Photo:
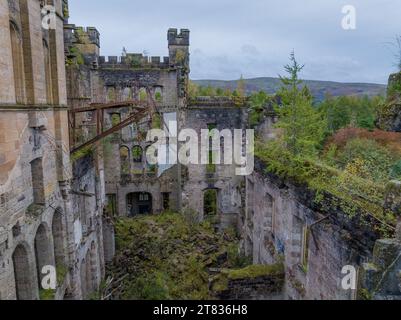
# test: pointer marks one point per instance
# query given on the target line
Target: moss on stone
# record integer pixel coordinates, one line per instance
(61, 272)
(47, 294)
(220, 282)
(256, 271)
(364, 294)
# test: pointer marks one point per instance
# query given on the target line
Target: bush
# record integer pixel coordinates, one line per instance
(372, 158)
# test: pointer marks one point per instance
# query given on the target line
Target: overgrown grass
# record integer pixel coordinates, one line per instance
(167, 257)
(352, 194)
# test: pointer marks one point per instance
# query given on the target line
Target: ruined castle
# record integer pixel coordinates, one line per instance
(73, 147)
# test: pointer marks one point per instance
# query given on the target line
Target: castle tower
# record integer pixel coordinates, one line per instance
(178, 46)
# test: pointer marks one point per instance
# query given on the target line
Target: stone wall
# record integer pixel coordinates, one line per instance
(256, 282)
(220, 114)
(37, 202)
(282, 221)
(95, 80)
(34, 158)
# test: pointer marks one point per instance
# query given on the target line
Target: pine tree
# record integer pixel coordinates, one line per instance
(301, 124)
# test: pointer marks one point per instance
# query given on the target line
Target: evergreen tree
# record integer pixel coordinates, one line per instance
(301, 124)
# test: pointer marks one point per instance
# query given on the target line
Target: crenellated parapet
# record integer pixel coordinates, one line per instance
(133, 60)
(81, 35)
(178, 39)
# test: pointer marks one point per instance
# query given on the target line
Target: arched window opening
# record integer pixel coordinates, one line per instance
(159, 94)
(124, 160)
(37, 182)
(23, 275)
(143, 94)
(43, 251)
(137, 154)
(48, 75)
(18, 63)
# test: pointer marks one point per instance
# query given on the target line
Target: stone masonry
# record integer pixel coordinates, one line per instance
(57, 208)
(41, 196)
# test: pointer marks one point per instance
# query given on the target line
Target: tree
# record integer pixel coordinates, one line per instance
(301, 124)
(193, 89)
(348, 111)
(258, 102)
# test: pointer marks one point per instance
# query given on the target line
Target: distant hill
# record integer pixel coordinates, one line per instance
(319, 88)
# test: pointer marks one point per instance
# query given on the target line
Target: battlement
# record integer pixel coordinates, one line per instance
(84, 35)
(134, 60)
(178, 39)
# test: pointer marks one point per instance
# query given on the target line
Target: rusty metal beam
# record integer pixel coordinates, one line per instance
(131, 119)
(139, 107)
(113, 105)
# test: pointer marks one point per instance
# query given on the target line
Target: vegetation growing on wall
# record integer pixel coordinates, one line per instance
(352, 165)
(74, 57)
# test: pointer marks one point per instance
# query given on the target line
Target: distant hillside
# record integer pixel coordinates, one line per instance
(319, 88)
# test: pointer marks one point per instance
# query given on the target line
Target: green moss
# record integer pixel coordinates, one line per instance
(61, 271)
(75, 57)
(220, 282)
(35, 210)
(156, 121)
(364, 294)
(256, 271)
(333, 188)
(82, 153)
(47, 294)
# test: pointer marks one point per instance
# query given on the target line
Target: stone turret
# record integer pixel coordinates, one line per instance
(86, 41)
(178, 46)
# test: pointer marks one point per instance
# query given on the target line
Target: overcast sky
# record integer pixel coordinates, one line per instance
(254, 37)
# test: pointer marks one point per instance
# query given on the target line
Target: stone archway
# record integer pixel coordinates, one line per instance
(24, 275)
(44, 252)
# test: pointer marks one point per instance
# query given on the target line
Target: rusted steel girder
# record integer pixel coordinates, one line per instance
(139, 107)
(131, 119)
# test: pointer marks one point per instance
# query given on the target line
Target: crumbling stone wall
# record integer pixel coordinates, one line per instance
(34, 159)
(380, 278)
(255, 282)
(282, 223)
(96, 79)
(221, 114)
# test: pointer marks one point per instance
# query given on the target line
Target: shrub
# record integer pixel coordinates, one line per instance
(370, 160)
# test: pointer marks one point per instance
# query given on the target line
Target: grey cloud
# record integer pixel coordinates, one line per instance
(254, 37)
